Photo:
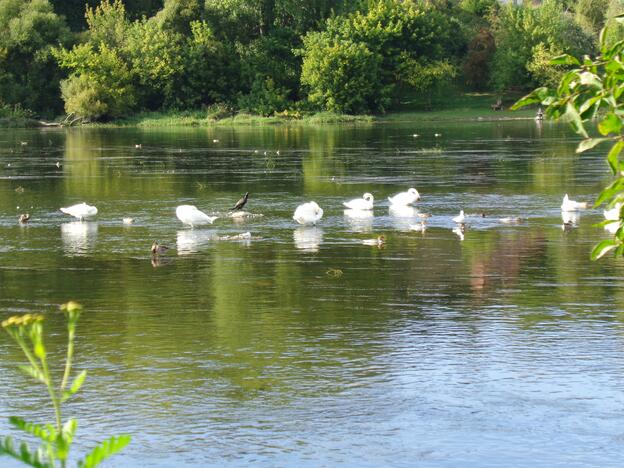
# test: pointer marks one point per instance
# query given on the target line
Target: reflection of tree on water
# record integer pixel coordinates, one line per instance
(79, 237)
(500, 267)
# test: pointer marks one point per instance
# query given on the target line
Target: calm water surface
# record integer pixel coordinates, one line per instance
(303, 346)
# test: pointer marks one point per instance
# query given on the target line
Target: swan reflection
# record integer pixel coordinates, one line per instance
(308, 238)
(403, 216)
(571, 217)
(78, 237)
(190, 241)
(359, 220)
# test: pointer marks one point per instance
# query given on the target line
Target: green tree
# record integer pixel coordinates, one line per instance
(29, 75)
(518, 33)
(343, 76)
(400, 42)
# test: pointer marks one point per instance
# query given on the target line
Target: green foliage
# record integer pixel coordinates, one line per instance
(155, 57)
(342, 76)
(211, 69)
(29, 75)
(593, 89)
(521, 31)
(614, 30)
(177, 15)
(480, 8)
(56, 439)
(355, 63)
(590, 14)
(100, 85)
(476, 67)
(264, 99)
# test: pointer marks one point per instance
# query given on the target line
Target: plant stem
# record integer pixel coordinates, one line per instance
(70, 353)
(53, 397)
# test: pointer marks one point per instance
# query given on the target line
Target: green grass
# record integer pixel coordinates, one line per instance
(460, 106)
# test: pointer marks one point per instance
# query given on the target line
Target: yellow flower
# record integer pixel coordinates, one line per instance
(71, 306)
(23, 320)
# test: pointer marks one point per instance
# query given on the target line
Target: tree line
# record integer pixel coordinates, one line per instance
(111, 58)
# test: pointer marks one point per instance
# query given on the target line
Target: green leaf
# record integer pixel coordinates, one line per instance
(610, 124)
(32, 372)
(619, 18)
(565, 59)
(603, 247)
(535, 96)
(35, 429)
(104, 450)
(23, 454)
(610, 191)
(589, 143)
(75, 386)
(572, 116)
(613, 158)
(590, 79)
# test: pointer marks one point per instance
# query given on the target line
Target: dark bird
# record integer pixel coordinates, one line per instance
(24, 218)
(240, 203)
(158, 249)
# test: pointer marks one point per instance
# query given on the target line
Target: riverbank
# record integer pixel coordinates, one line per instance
(468, 107)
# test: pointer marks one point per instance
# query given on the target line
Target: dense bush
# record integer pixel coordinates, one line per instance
(29, 75)
(356, 63)
(521, 32)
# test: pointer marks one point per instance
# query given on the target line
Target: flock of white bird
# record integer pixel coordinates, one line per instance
(311, 213)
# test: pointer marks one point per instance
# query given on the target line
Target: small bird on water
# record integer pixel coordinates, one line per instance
(24, 218)
(241, 203)
(158, 249)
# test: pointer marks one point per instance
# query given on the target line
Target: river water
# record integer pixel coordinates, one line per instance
(502, 345)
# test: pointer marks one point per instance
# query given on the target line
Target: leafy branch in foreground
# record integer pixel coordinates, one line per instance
(56, 439)
(593, 90)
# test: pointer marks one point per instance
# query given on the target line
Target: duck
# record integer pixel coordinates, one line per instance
(128, 220)
(308, 213)
(459, 231)
(460, 218)
(405, 198)
(189, 214)
(241, 203)
(364, 203)
(81, 211)
(158, 249)
(571, 205)
(422, 227)
(511, 220)
(381, 240)
(24, 218)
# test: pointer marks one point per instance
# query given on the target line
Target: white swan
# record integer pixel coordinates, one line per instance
(80, 211)
(364, 203)
(571, 205)
(460, 218)
(190, 215)
(405, 198)
(308, 213)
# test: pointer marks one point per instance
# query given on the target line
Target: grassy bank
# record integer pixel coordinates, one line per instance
(458, 107)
